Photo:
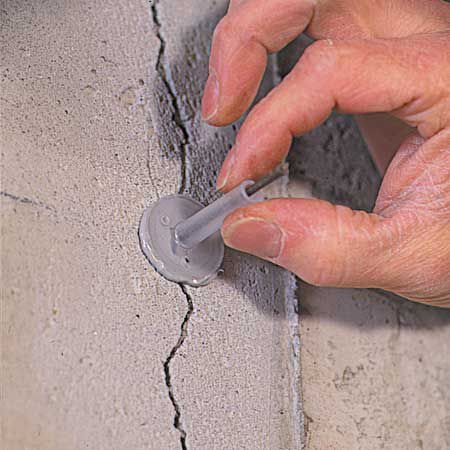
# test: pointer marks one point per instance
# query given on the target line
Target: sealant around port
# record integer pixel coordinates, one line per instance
(196, 266)
(181, 238)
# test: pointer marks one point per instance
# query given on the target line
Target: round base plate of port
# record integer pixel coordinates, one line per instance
(196, 266)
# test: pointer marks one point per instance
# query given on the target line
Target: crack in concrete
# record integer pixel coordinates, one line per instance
(164, 72)
(183, 334)
(26, 200)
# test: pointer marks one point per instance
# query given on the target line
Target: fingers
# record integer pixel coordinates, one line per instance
(241, 42)
(365, 18)
(418, 180)
(252, 28)
(357, 76)
(403, 248)
(322, 243)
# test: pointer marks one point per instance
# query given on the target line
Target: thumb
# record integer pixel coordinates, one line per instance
(322, 243)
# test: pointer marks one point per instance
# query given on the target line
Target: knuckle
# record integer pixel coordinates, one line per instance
(225, 29)
(321, 54)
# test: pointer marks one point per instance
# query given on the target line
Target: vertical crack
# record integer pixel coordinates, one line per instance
(164, 72)
(183, 334)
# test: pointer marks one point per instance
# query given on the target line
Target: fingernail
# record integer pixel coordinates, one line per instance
(210, 102)
(226, 169)
(255, 236)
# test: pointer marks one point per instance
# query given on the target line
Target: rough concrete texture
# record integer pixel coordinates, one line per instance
(99, 117)
(86, 326)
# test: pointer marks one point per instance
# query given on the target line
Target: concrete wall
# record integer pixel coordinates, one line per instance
(100, 117)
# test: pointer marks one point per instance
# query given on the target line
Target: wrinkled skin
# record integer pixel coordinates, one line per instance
(388, 62)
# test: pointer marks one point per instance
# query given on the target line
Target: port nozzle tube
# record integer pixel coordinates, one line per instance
(208, 220)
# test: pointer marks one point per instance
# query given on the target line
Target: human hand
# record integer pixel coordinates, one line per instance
(393, 60)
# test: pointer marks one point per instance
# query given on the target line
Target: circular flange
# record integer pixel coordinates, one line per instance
(196, 266)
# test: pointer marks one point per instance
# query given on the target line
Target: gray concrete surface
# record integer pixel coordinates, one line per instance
(100, 117)
(98, 350)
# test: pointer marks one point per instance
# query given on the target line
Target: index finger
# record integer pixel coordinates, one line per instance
(241, 43)
(406, 77)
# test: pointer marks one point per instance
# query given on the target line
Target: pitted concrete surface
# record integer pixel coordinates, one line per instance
(375, 371)
(100, 116)
(86, 325)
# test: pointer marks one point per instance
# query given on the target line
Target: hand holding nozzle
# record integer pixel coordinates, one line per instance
(394, 74)
(180, 237)
(208, 221)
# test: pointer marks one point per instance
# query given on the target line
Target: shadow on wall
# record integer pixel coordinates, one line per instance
(368, 309)
(200, 148)
(333, 159)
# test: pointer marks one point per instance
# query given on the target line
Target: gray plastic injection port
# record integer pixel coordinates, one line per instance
(181, 238)
(196, 266)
